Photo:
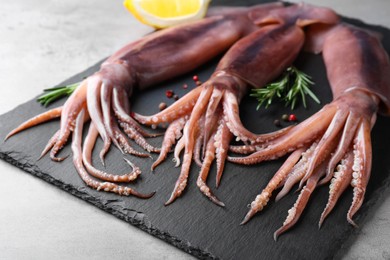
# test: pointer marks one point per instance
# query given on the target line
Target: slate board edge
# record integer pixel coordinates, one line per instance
(140, 221)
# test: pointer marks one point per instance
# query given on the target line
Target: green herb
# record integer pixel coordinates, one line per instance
(292, 84)
(52, 94)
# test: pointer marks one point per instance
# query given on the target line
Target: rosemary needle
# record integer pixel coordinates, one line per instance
(292, 85)
(52, 94)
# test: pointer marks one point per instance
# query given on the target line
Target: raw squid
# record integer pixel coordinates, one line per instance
(334, 145)
(104, 96)
(208, 116)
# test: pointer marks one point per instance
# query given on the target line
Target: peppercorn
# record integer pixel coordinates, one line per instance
(162, 106)
(277, 122)
(195, 78)
(292, 118)
(169, 93)
(175, 97)
(285, 117)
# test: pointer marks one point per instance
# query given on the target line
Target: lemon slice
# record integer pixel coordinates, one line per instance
(166, 13)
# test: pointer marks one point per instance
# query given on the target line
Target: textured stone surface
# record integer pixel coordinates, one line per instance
(201, 218)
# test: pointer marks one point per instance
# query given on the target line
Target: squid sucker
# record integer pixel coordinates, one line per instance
(104, 97)
(334, 145)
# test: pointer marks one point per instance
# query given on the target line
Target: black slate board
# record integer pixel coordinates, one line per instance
(193, 223)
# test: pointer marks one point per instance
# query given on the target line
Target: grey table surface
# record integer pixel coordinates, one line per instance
(43, 42)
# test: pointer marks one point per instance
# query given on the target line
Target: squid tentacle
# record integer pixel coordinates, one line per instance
(58, 145)
(297, 172)
(77, 159)
(36, 120)
(180, 108)
(262, 141)
(327, 143)
(222, 139)
(68, 117)
(232, 118)
(50, 144)
(90, 141)
(138, 138)
(243, 149)
(108, 122)
(262, 199)
(265, 138)
(178, 149)
(122, 110)
(95, 111)
(210, 114)
(204, 172)
(295, 212)
(124, 143)
(292, 140)
(361, 168)
(173, 133)
(345, 142)
(190, 137)
(198, 145)
(340, 182)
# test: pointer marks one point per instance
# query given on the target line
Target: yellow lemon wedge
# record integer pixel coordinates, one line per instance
(166, 13)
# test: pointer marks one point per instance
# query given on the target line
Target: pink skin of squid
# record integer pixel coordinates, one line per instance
(212, 110)
(337, 146)
(104, 96)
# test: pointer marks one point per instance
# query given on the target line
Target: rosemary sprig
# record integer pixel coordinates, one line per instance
(52, 94)
(292, 84)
